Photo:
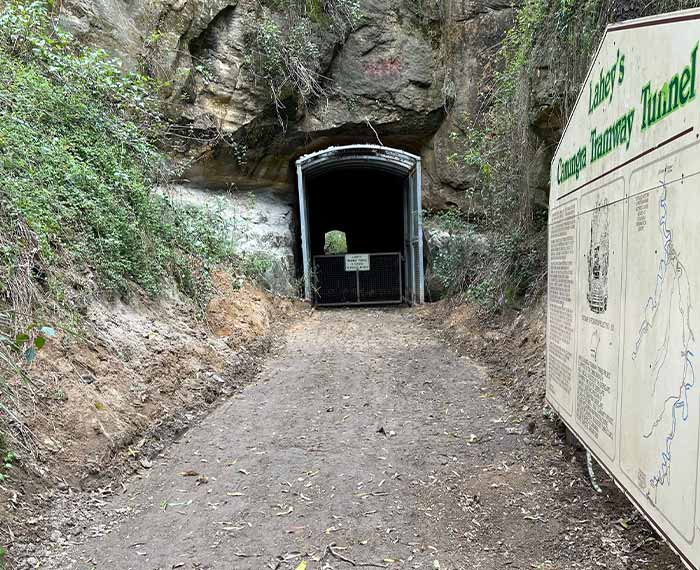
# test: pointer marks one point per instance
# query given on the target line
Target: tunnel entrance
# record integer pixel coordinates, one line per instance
(372, 195)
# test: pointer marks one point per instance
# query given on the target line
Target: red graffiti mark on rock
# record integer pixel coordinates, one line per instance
(383, 68)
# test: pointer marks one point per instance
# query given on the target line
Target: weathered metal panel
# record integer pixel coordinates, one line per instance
(337, 283)
(304, 226)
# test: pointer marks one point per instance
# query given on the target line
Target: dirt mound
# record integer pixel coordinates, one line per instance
(240, 317)
(104, 401)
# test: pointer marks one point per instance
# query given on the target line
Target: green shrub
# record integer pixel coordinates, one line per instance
(460, 255)
(548, 50)
(495, 269)
(284, 43)
(256, 265)
(7, 461)
(335, 242)
(79, 164)
(284, 58)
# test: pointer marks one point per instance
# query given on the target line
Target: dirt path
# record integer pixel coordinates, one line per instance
(367, 433)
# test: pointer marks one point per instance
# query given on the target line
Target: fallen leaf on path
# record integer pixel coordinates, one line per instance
(185, 504)
(289, 511)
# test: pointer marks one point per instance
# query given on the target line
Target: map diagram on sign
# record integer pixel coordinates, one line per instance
(666, 325)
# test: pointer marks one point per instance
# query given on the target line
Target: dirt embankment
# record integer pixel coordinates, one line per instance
(103, 402)
(511, 345)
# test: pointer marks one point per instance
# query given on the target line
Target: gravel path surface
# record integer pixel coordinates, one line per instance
(365, 442)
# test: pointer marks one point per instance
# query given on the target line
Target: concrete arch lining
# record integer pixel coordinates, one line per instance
(376, 158)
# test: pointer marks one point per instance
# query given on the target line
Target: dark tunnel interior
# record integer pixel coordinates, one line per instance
(366, 204)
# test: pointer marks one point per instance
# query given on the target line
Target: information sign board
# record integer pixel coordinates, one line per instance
(624, 270)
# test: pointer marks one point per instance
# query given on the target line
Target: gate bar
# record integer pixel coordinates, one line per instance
(306, 257)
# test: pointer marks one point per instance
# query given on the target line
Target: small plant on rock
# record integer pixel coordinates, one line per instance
(284, 40)
(256, 265)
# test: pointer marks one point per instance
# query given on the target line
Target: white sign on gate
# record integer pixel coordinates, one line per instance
(624, 270)
(357, 262)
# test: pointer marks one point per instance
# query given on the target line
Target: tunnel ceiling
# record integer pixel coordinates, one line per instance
(357, 157)
(367, 204)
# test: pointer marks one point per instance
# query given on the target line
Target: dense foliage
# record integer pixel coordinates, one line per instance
(336, 242)
(80, 209)
(492, 267)
(78, 167)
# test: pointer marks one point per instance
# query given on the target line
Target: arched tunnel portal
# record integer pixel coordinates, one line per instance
(372, 194)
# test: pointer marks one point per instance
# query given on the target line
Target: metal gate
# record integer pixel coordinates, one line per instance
(410, 263)
(413, 237)
(380, 282)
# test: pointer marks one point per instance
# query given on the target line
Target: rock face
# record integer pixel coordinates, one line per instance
(262, 225)
(407, 76)
(475, 30)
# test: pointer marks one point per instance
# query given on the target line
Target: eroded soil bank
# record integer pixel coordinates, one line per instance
(111, 392)
(364, 440)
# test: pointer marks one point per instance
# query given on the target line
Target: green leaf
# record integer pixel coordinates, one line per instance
(39, 342)
(21, 338)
